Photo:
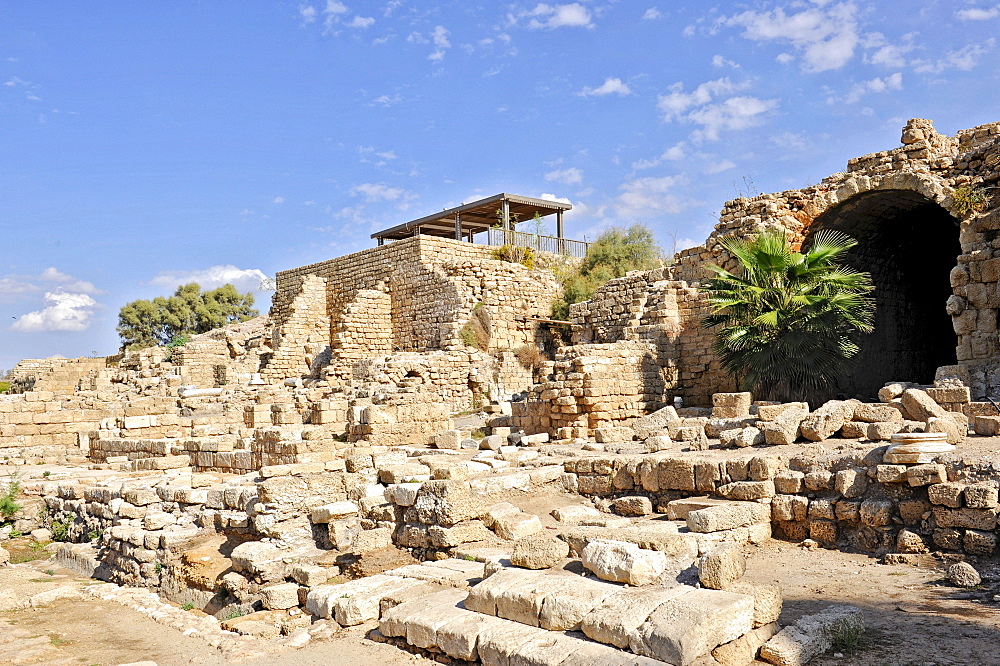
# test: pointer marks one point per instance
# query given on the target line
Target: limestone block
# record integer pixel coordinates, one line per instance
(620, 615)
(809, 636)
(535, 440)
(492, 442)
(623, 562)
(731, 405)
(658, 443)
(772, 412)
(742, 438)
(876, 412)
(828, 419)
(789, 481)
(575, 514)
(448, 439)
(946, 494)
(986, 426)
(883, 431)
(693, 624)
(715, 427)
(722, 566)
(977, 542)
(950, 395)
(744, 649)
(333, 511)
(876, 513)
(926, 474)
(539, 551)
(955, 433)
(964, 574)
(789, 507)
(767, 600)
(635, 505)
(975, 519)
(981, 496)
(851, 482)
(280, 597)
(727, 517)
(747, 490)
(890, 473)
(785, 429)
(854, 430)
(509, 522)
(607, 434)
(892, 390)
(920, 406)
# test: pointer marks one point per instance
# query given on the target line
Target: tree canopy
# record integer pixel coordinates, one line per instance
(786, 321)
(189, 311)
(615, 252)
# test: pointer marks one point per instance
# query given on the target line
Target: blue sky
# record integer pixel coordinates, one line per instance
(150, 144)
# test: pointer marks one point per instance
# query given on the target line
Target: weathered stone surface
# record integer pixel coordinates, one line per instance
(539, 551)
(742, 438)
(789, 507)
(809, 636)
(920, 406)
(910, 542)
(620, 615)
(747, 490)
(981, 496)
(509, 522)
(772, 412)
(851, 482)
(727, 517)
(731, 405)
(954, 431)
(828, 419)
(280, 597)
(767, 600)
(883, 430)
(623, 562)
(964, 574)
(785, 429)
(722, 566)
(693, 624)
(926, 474)
(946, 494)
(575, 514)
(634, 505)
(873, 412)
(609, 434)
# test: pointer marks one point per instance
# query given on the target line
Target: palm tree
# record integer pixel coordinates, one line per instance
(786, 320)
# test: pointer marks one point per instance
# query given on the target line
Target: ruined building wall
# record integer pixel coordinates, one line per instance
(428, 288)
(927, 257)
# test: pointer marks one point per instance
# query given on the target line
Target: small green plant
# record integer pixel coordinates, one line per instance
(16, 534)
(158, 567)
(468, 558)
(4, 387)
(175, 342)
(515, 254)
(38, 546)
(967, 200)
(94, 535)
(60, 530)
(235, 613)
(8, 498)
(188, 606)
(46, 473)
(477, 434)
(850, 635)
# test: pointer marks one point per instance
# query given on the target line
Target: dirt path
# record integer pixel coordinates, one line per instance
(915, 618)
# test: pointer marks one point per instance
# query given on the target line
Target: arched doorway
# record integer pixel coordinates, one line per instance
(909, 244)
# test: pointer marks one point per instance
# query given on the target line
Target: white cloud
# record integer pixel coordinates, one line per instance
(417, 38)
(672, 154)
(788, 139)
(676, 102)
(978, 13)
(825, 34)
(68, 282)
(244, 279)
(361, 22)
(876, 85)
(307, 13)
(334, 7)
(15, 81)
(578, 210)
(571, 176)
(719, 167)
(722, 61)
(544, 16)
(735, 113)
(642, 198)
(611, 85)
(278, 200)
(386, 100)
(964, 59)
(64, 312)
(441, 43)
(652, 14)
(372, 192)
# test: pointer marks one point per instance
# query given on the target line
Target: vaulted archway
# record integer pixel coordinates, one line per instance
(909, 244)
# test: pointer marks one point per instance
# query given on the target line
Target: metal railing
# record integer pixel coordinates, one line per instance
(539, 243)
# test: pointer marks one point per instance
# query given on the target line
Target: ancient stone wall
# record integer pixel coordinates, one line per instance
(429, 287)
(927, 221)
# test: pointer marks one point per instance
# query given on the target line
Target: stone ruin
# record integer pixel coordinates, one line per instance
(349, 459)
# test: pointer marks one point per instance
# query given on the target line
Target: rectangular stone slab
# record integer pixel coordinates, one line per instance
(620, 615)
(682, 629)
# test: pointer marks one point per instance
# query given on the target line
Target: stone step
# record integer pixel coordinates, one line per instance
(452, 572)
(439, 622)
(676, 624)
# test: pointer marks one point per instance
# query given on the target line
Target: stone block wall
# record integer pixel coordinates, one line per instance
(429, 288)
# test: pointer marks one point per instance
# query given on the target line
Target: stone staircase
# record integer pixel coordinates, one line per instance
(548, 617)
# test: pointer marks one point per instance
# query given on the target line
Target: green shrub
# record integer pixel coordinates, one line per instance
(967, 200)
(515, 254)
(615, 252)
(60, 530)
(8, 499)
(477, 332)
(4, 387)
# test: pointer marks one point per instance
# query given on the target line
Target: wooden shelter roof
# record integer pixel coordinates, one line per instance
(475, 217)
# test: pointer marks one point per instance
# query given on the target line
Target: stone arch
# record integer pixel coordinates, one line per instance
(909, 242)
